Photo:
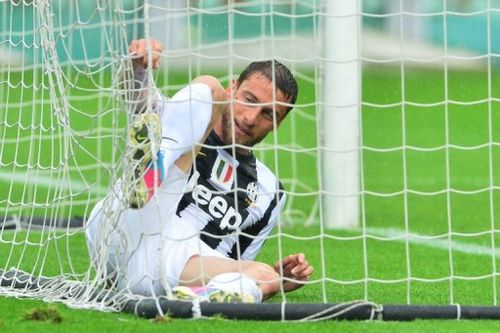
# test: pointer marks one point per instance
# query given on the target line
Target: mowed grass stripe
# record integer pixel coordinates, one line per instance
(438, 242)
(39, 179)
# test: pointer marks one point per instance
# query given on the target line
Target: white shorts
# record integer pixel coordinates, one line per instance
(145, 250)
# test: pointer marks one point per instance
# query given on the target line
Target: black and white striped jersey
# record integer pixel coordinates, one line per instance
(235, 202)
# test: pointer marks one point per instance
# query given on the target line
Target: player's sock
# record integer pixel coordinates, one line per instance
(237, 283)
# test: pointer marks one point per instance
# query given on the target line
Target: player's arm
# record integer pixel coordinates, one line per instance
(294, 269)
(257, 234)
(140, 51)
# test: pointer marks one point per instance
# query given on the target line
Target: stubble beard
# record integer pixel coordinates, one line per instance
(227, 132)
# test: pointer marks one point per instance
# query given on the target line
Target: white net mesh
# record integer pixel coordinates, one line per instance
(428, 190)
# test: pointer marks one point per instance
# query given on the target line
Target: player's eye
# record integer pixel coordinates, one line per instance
(267, 113)
(249, 99)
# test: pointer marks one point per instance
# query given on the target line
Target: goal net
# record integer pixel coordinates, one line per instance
(388, 159)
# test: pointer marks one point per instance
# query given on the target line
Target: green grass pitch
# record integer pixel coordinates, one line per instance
(442, 181)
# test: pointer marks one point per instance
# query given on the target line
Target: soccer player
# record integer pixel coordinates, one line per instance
(191, 218)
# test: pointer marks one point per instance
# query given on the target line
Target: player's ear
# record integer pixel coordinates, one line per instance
(231, 88)
(281, 116)
(279, 120)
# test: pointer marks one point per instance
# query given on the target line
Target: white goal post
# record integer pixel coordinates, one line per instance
(340, 114)
(388, 159)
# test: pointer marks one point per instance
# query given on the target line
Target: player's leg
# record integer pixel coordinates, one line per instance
(182, 123)
(187, 261)
(123, 245)
(232, 275)
(142, 228)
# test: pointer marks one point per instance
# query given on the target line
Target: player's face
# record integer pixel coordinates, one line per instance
(256, 111)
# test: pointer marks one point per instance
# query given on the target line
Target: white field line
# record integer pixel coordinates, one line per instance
(45, 181)
(399, 235)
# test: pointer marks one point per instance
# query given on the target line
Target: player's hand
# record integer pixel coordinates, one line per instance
(139, 50)
(295, 267)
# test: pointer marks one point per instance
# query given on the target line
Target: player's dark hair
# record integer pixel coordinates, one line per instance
(284, 79)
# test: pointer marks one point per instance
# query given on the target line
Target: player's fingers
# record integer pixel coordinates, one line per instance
(286, 269)
(285, 261)
(302, 264)
(145, 59)
(300, 257)
(139, 51)
(307, 272)
(141, 47)
(304, 275)
(298, 269)
(133, 46)
(157, 46)
(291, 258)
(156, 60)
(152, 48)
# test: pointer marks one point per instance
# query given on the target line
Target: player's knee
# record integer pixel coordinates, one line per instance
(218, 93)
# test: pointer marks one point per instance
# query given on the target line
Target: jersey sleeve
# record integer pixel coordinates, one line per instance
(257, 234)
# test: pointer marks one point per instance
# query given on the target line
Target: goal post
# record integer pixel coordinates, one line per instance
(340, 114)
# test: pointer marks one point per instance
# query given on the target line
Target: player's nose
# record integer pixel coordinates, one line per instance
(251, 115)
